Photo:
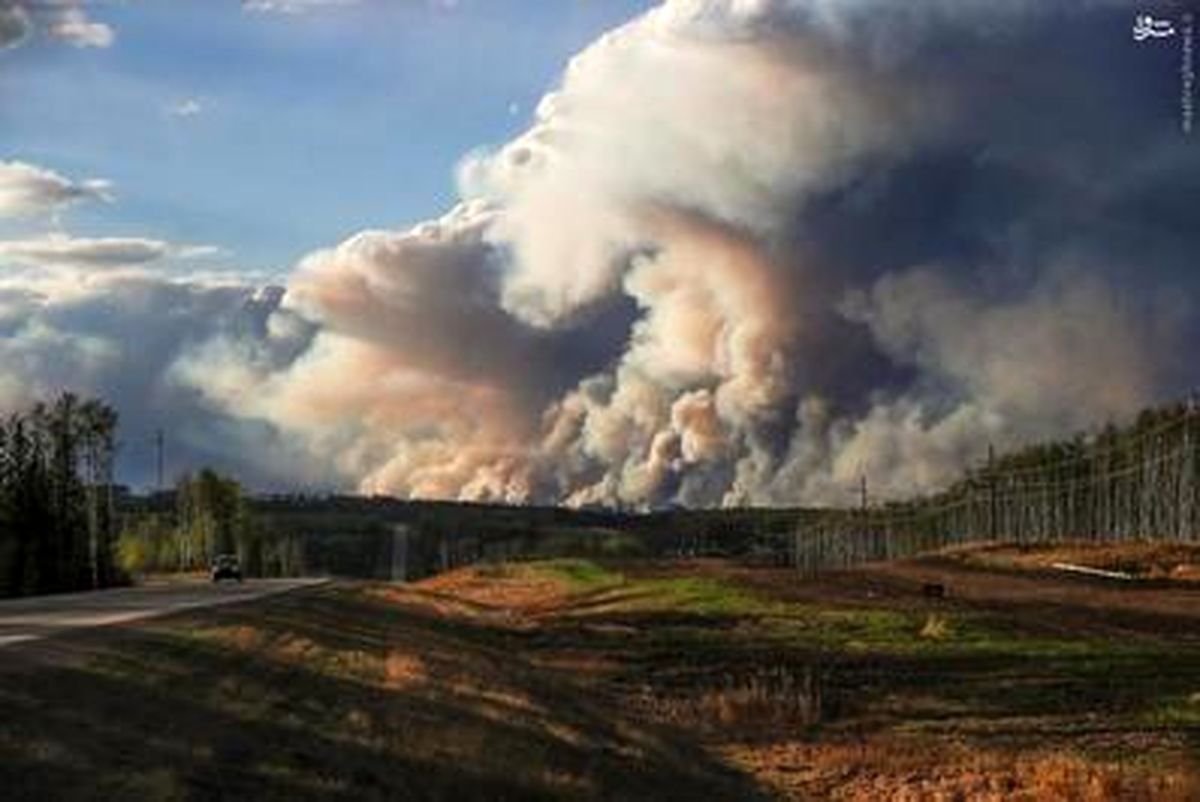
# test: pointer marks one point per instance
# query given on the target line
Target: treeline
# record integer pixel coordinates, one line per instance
(57, 516)
(1137, 482)
(355, 535)
(211, 516)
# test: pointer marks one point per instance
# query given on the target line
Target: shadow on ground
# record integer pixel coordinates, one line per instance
(336, 693)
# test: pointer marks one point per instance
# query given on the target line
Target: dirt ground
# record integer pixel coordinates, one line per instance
(697, 680)
(1146, 560)
(1036, 597)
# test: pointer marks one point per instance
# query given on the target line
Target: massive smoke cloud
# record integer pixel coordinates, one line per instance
(749, 251)
(809, 241)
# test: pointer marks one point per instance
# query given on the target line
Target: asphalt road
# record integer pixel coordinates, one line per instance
(37, 617)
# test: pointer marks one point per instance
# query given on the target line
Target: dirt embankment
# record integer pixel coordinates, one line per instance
(350, 692)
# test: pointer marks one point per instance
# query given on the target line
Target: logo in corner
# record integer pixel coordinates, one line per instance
(1147, 27)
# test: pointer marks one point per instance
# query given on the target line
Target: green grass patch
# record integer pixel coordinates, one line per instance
(911, 633)
(918, 633)
(704, 596)
(1181, 710)
(579, 575)
(851, 630)
(965, 660)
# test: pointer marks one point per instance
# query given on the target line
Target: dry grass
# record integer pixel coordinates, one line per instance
(511, 588)
(936, 627)
(343, 693)
(780, 698)
(898, 769)
(402, 670)
(564, 682)
(1144, 559)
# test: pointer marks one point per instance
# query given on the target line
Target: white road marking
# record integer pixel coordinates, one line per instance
(5, 640)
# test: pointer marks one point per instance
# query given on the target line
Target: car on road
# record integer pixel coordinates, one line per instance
(226, 566)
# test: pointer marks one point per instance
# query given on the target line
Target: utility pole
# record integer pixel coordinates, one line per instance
(866, 538)
(993, 514)
(158, 443)
(1187, 479)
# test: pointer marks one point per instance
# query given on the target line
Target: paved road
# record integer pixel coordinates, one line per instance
(33, 618)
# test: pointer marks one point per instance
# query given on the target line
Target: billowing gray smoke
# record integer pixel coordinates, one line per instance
(750, 250)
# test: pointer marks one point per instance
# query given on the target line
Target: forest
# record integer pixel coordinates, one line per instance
(66, 525)
(57, 513)
(210, 515)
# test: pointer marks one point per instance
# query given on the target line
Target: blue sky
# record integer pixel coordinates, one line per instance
(310, 126)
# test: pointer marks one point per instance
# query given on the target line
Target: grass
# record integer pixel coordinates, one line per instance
(825, 628)
(350, 692)
(931, 668)
(782, 696)
(578, 679)
(707, 597)
(578, 574)
(1179, 710)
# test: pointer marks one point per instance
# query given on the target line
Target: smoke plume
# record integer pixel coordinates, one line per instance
(748, 252)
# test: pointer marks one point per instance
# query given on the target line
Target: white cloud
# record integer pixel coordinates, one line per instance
(63, 250)
(198, 252)
(304, 6)
(72, 25)
(117, 335)
(292, 6)
(27, 189)
(186, 108)
(61, 20)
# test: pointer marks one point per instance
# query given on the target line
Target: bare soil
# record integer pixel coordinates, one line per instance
(1145, 560)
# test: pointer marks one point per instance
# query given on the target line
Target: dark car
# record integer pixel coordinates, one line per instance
(226, 566)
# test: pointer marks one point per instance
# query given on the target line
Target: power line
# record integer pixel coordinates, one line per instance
(1144, 485)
